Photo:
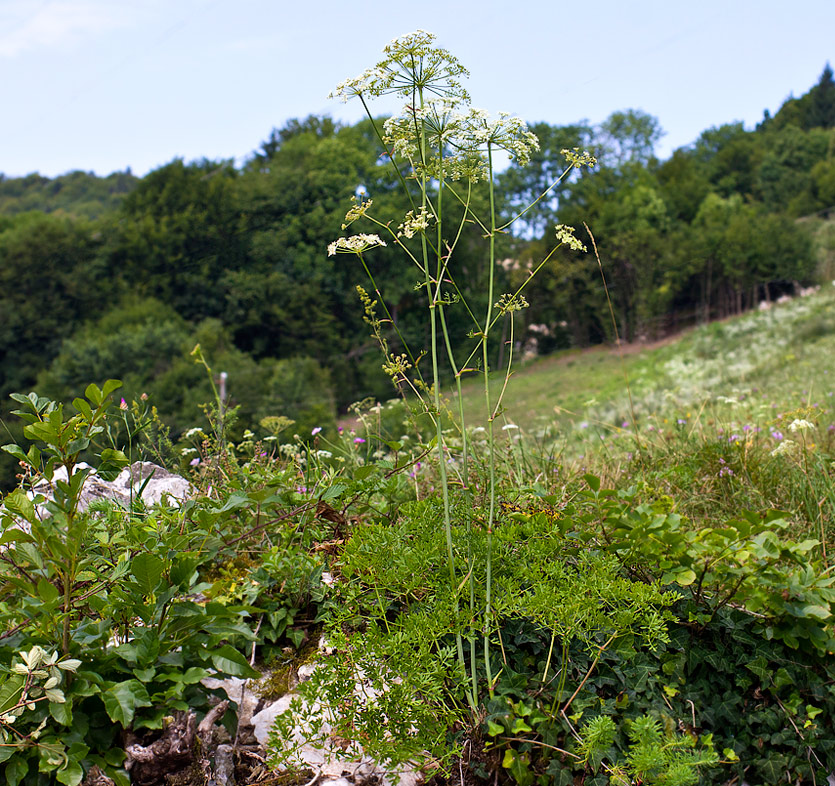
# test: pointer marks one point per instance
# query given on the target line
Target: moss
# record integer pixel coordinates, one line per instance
(284, 669)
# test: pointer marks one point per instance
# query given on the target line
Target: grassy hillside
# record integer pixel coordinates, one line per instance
(746, 369)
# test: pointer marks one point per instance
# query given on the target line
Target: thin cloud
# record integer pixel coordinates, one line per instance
(57, 24)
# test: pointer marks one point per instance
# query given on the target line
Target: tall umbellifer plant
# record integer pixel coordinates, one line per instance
(443, 152)
(440, 148)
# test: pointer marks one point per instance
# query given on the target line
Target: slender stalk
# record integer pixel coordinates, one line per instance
(488, 588)
(436, 390)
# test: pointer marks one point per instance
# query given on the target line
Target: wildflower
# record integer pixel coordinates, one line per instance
(777, 435)
(413, 224)
(509, 427)
(194, 462)
(681, 422)
(359, 441)
(578, 158)
(565, 235)
(315, 431)
(326, 454)
(193, 432)
(787, 447)
(798, 424)
(123, 405)
(357, 210)
(625, 424)
(356, 244)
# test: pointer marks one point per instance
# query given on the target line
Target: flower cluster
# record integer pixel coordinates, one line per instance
(578, 158)
(357, 210)
(356, 244)
(410, 61)
(413, 224)
(507, 303)
(566, 236)
(507, 132)
(396, 366)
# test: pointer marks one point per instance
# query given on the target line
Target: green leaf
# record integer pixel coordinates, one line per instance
(17, 452)
(593, 481)
(519, 726)
(16, 770)
(228, 660)
(122, 698)
(365, 471)
(46, 591)
(813, 610)
(236, 501)
(71, 775)
(147, 570)
(110, 386)
(494, 729)
(760, 667)
(685, 577)
(19, 504)
(82, 407)
(61, 713)
(93, 394)
(10, 692)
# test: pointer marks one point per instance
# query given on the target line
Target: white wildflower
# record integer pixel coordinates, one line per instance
(356, 244)
(787, 447)
(414, 224)
(358, 210)
(565, 235)
(798, 424)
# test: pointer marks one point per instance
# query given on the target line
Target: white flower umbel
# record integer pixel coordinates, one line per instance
(566, 237)
(356, 244)
(410, 62)
(507, 132)
(414, 224)
(358, 210)
(798, 424)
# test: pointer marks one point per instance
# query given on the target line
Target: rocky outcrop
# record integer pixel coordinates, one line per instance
(141, 480)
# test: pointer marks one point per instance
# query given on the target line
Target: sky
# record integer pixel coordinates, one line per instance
(103, 85)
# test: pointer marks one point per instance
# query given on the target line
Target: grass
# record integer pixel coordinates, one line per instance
(781, 359)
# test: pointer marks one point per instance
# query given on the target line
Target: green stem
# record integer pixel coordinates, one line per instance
(488, 607)
(436, 385)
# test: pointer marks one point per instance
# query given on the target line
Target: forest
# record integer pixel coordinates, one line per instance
(121, 276)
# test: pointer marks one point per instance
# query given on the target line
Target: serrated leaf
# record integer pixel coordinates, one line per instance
(147, 570)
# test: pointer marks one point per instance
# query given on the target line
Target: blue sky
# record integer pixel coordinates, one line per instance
(102, 85)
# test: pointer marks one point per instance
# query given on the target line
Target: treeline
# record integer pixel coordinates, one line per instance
(121, 277)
